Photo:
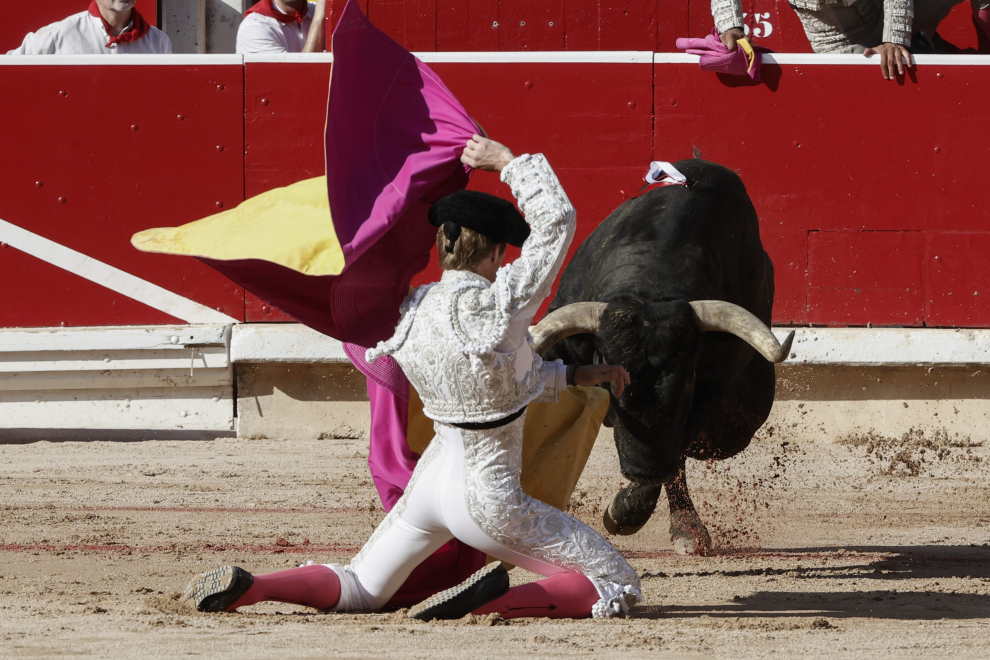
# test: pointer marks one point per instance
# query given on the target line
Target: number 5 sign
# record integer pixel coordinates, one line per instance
(762, 27)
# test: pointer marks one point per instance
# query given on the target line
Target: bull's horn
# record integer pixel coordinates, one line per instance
(721, 316)
(573, 319)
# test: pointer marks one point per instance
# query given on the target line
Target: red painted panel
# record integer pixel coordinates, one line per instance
(795, 147)
(958, 29)
(512, 25)
(285, 113)
(452, 26)
(166, 153)
(581, 29)
(866, 259)
(810, 163)
(674, 22)
(788, 248)
(508, 25)
(531, 25)
(700, 22)
(856, 278)
(69, 300)
(581, 115)
(476, 21)
(258, 311)
(16, 24)
(412, 24)
(881, 307)
(957, 291)
(629, 24)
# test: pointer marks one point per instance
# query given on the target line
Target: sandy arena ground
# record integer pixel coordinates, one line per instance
(862, 548)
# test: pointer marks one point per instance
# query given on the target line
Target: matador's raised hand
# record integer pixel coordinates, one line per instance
(484, 154)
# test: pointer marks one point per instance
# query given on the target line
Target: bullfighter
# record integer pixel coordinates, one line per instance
(464, 344)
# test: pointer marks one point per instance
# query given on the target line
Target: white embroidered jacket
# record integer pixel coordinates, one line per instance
(822, 31)
(464, 342)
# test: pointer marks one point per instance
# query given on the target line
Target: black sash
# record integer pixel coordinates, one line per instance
(485, 426)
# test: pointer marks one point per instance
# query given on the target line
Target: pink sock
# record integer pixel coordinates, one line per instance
(563, 596)
(982, 18)
(313, 586)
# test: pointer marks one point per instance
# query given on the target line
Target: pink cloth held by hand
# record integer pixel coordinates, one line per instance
(716, 57)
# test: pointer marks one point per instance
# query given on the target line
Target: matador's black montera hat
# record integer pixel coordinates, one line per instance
(486, 214)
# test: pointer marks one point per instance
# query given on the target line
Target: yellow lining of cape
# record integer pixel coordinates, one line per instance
(288, 226)
(557, 440)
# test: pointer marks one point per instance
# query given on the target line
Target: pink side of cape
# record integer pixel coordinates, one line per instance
(392, 463)
(716, 57)
(395, 133)
(393, 143)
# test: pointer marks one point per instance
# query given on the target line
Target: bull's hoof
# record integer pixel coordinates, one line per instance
(612, 526)
(689, 535)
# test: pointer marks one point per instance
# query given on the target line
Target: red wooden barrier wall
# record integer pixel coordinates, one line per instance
(511, 25)
(87, 166)
(870, 193)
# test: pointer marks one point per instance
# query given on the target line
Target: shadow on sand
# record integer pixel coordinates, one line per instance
(880, 578)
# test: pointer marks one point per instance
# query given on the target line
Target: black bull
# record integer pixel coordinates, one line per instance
(693, 394)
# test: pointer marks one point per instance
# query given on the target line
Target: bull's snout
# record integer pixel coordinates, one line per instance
(646, 478)
(642, 463)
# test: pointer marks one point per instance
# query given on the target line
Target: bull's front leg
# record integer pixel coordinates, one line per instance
(630, 509)
(687, 533)
(633, 506)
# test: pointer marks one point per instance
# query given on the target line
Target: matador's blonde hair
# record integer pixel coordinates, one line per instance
(470, 249)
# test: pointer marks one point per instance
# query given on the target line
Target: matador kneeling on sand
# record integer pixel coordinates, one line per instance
(465, 346)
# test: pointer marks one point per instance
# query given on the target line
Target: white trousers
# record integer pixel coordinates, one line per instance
(466, 486)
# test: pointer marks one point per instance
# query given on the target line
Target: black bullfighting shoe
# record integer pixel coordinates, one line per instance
(483, 587)
(219, 589)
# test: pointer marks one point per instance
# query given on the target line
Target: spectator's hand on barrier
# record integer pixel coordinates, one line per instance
(484, 154)
(730, 37)
(593, 374)
(893, 59)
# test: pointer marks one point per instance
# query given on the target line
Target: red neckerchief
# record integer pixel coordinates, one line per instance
(267, 8)
(139, 26)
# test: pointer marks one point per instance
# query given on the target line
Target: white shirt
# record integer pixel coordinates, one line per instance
(262, 34)
(84, 34)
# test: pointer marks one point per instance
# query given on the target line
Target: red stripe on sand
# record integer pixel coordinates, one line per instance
(756, 553)
(206, 509)
(274, 548)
